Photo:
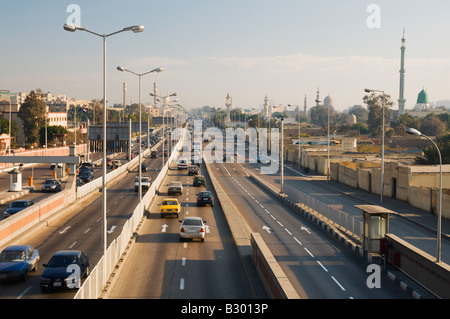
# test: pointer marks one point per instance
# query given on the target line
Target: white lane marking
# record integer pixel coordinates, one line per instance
(280, 223)
(64, 230)
(182, 284)
(322, 266)
(87, 230)
(309, 252)
(183, 261)
(268, 230)
(112, 229)
(74, 243)
(337, 282)
(23, 293)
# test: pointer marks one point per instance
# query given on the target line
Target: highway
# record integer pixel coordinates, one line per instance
(318, 266)
(80, 227)
(159, 266)
(344, 198)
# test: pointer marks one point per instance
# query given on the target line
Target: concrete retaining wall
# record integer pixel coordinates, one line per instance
(419, 265)
(17, 224)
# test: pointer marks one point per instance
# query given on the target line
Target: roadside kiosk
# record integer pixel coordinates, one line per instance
(15, 180)
(375, 227)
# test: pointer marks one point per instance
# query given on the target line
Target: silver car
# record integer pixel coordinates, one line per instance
(192, 228)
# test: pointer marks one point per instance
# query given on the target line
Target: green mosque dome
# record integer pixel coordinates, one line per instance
(423, 97)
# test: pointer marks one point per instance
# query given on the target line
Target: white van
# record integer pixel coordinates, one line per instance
(182, 163)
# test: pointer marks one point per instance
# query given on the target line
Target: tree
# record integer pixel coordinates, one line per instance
(52, 131)
(319, 115)
(360, 112)
(405, 121)
(431, 156)
(374, 105)
(33, 114)
(432, 125)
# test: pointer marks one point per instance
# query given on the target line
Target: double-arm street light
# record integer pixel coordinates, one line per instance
(382, 141)
(166, 103)
(135, 29)
(439, 227)
(140, 75)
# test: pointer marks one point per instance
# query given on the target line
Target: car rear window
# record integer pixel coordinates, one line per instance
(192, 222)
(169, 202)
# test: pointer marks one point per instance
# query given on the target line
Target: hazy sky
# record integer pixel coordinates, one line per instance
(249, 48)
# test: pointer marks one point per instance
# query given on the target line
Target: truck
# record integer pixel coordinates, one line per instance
(175, 187)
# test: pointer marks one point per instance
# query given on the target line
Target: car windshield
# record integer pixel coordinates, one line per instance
(8, 256)
(192, 222)
(62, 261)
(85, 173)
(50, 181)
(19, 204)
(204, 194)
(169, 202)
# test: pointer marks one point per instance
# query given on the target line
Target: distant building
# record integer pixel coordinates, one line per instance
(57, 119)
(423, 108)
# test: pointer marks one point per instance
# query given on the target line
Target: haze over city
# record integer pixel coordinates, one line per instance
(250, 49)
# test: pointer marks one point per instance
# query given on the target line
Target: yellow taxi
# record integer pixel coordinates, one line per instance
(170, 206)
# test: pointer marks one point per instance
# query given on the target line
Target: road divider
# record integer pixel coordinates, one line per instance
(252, 247)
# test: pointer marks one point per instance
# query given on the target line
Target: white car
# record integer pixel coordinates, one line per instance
(193, 228)
(182, 163)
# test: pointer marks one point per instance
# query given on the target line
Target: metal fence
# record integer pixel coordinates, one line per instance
(343, 219)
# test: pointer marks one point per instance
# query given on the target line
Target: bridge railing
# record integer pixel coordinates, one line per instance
(94, 285)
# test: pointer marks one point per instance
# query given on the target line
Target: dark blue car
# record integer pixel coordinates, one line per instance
(17, 260)
(65, 270)
(17, 206)
(205, 198)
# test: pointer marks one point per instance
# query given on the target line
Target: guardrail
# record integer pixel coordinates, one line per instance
(97, 183)
(94, 285)
(24, 220)
(338, 217)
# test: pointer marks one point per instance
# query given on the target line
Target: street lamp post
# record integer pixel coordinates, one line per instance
(299, 136)
(439, 225)
(135, 29)
(382, 141)
(282, 154)
(140, 75)
(166, 103)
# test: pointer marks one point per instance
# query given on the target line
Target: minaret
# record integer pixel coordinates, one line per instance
(401, 100)
(228, 105)
(266, 106)
(305, 105)
(318, 98)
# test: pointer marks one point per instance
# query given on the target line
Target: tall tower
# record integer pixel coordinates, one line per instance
(401, 100)
(318, 98)
(305, 105)
(228, 105)
(266, 106)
